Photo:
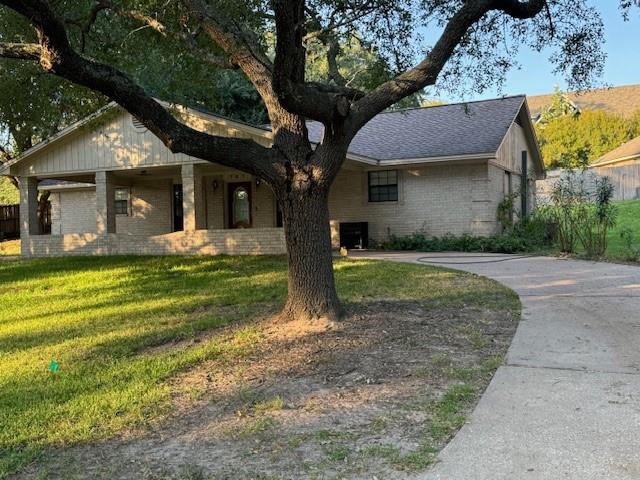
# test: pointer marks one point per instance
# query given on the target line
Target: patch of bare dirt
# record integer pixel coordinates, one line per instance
(348, 400)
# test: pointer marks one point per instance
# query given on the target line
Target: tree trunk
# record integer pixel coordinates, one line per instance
(43, 206)
(312, 293)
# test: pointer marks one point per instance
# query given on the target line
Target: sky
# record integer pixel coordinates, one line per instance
(622, 45)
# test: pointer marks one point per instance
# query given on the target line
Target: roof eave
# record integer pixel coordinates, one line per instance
(420, 160)
(58, 136)
(531, 134)
(602, 163)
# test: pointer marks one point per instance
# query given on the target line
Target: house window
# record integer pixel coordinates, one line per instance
(122, 201)
(383, 186)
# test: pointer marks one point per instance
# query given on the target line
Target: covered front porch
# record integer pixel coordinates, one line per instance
(192, 208)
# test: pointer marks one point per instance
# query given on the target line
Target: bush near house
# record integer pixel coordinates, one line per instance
(532, 235)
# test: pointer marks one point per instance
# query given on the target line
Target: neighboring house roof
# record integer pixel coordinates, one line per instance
(461, 131)
(623, 100)
(626, 151)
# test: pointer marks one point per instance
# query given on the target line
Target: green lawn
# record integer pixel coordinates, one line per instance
(98, 317)
(10, 247)
(628, 217)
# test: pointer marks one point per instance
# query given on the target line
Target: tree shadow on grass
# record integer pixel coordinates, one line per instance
(383, 362)
(110, 379)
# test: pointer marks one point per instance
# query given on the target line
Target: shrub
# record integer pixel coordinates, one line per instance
(566, 195)
(529, 235)
(595, 217)
(581, 214)
(506, 210)
(631, 250)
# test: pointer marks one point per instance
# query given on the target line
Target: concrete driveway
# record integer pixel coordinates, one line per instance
(566, 403)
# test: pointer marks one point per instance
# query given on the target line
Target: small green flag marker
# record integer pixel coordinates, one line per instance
(53, 367)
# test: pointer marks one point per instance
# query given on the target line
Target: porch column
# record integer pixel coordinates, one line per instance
(105, 203)
(192, 199)
(29, 224)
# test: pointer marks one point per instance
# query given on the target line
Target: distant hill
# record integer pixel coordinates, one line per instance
(623, 100)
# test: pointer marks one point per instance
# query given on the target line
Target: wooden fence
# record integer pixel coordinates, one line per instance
(10, 221)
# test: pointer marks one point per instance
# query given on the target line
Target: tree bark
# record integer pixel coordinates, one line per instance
(312, 293)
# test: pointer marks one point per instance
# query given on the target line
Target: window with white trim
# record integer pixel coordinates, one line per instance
(383, 186)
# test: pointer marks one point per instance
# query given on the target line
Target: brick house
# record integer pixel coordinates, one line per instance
(116, 189)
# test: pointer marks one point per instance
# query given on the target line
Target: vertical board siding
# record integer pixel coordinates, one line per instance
(117, 145)
(509, 153)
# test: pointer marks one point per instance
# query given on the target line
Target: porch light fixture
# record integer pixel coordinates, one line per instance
(258, 181)
(215, 185)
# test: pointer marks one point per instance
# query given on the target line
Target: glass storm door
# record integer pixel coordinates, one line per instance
(178, 220)
(239, 205)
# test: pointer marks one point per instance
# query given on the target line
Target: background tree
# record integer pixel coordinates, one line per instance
(560, 106)
(476, 41)
(573, 138)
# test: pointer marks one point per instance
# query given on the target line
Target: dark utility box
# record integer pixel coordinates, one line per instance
(354, 235)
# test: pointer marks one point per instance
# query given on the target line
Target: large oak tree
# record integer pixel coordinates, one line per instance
(267, 41)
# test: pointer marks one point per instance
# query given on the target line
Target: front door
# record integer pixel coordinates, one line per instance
(239, 201)
(178, 220)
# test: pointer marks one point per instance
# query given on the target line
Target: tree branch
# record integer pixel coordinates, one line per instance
(59, 58)
(289, 128)
(427, 71)
(218, 61)
(332, 58)
(519, 9)
(5, 155)
(288, 76)
(20, 51)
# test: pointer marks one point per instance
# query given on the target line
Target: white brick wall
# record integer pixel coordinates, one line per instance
(264, 207)
(434, 199)
(150, 212)
(257, 241)
(74, 211)
(215, 202)
(77, 212)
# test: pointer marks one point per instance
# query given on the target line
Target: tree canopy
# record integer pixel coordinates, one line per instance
(570, 138)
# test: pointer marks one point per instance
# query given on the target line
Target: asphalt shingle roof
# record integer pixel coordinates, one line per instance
(627, 150)
(624, 100)
(439, 131)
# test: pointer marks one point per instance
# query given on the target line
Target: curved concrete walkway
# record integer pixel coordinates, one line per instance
(566, 403)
